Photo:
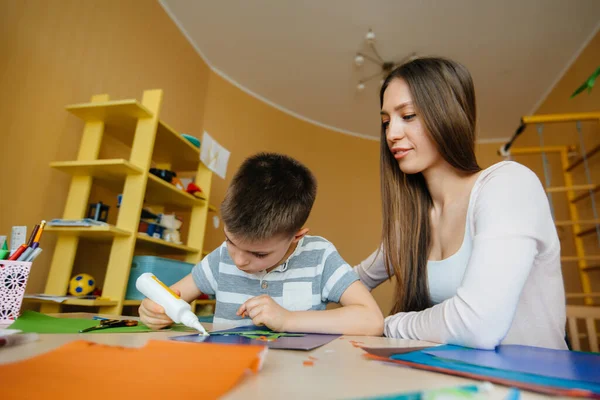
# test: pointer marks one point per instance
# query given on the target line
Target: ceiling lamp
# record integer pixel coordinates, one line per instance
(385, 66)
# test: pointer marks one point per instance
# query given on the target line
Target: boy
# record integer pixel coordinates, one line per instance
(269, 271)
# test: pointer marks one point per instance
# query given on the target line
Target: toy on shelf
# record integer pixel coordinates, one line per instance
(183, 184)
(194, 189)
(150, 224)
(171, 224)
(177, 183)
(160, 226)
(98, 212)
(152, 229)
(82, 285)
(163, 174)
(192, 139)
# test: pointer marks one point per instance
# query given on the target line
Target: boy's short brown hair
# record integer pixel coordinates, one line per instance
(270, 195)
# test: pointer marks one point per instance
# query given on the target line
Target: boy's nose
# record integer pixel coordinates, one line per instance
(240, 260)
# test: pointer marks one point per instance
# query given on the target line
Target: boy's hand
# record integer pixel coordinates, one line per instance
(153, 315)
(263, 310)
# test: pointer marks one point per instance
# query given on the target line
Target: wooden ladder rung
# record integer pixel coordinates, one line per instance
(586, 194)
(581, 295)
(580, 222)
(569, 188)
(585, 335)
(575, 258)
(591, 268)
(586, 232)
(579, 160)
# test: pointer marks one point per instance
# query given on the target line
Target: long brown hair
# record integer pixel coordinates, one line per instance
(444, 98)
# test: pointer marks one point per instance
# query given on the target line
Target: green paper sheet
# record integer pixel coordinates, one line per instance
(31, 321)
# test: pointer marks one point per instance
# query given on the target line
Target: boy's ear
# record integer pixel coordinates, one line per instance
(300, 234)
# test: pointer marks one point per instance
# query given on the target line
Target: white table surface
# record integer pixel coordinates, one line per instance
(340, 371)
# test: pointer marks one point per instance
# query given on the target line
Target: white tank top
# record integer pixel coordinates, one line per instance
(445, 276)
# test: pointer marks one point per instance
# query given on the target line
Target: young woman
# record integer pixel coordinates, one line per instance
(475, 253)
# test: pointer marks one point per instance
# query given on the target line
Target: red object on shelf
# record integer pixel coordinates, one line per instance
(193, 188)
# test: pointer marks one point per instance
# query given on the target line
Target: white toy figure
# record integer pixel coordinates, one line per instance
(172, 224)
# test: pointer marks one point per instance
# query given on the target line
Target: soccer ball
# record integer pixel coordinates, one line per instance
(81, 285)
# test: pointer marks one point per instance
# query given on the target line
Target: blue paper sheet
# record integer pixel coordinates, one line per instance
(306, 341)
(564, 364)
(420, 357)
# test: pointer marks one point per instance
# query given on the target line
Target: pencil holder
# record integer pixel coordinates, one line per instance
(13, 280)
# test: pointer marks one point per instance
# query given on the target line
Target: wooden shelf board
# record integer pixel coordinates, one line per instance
(164, 246)
(110, 112)
(163, 193)
(76, 302)
(120, 116)
(92, 232)
(102, 169)
(172, 148)
(575, 258)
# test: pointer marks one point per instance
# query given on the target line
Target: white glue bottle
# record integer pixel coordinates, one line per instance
(175, 307)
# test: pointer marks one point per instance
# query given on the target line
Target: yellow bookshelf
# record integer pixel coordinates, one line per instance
(153, 143)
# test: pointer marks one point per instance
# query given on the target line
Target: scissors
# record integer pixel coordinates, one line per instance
(110, 323)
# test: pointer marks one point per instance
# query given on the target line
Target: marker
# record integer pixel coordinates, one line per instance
(4, 251)
(34, 255)
(38, 236)
(25, 255)
(15, 256)
(33, 234)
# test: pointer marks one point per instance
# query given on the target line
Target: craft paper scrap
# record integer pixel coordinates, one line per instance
(159, 370)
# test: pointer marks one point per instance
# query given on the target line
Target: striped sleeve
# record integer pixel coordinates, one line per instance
(206, 273)
(337, 276)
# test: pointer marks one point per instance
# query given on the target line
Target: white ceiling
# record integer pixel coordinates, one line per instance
(298, 55)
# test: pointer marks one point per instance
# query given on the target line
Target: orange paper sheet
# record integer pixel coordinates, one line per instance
(160, 370)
